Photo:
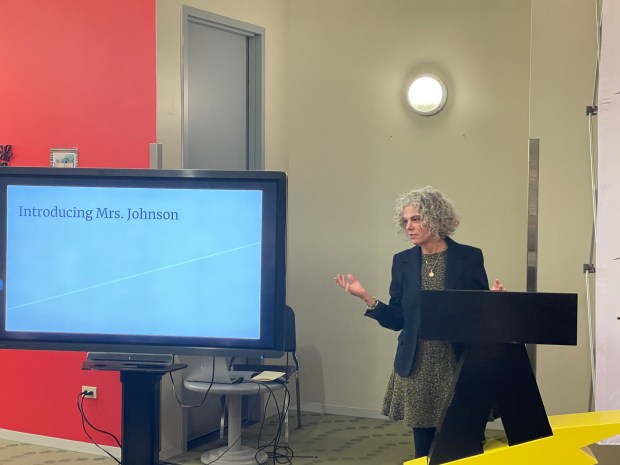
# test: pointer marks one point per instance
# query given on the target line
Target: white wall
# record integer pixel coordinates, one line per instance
(355, 146)
(271, 15)
(337, 122)
(563, 62)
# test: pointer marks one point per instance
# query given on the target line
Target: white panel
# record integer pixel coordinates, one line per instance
(608, 225)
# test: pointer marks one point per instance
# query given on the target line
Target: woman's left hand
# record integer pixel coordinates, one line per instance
(497, 286)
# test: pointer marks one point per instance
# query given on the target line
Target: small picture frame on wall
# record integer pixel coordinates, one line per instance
(64, 157)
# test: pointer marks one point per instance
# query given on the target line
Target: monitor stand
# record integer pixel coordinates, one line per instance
(140, 433)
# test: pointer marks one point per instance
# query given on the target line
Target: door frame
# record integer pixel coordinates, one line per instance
(255, 83)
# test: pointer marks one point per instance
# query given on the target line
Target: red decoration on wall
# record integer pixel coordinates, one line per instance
(6, 153)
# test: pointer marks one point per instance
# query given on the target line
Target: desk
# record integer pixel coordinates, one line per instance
(234, 452)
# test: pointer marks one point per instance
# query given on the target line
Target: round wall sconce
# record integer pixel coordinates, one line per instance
(427, 94)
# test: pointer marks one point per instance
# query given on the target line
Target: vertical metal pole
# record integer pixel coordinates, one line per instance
(532, 228)
(155, 152)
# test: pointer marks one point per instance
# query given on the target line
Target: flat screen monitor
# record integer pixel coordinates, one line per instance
(142, 261)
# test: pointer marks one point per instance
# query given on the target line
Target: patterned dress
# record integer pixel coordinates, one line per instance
(419, 398)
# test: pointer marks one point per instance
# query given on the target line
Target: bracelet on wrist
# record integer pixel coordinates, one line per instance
(374, 305)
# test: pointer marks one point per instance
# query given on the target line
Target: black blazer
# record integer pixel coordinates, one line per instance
(464, 270)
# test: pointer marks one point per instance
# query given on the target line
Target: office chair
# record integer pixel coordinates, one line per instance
(289, 368)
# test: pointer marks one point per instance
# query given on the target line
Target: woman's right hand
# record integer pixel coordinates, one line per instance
(353, 287)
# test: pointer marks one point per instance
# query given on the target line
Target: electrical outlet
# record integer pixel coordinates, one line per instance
(92, 389)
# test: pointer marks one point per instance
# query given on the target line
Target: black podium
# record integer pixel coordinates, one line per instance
(494, 371)
(140, 410)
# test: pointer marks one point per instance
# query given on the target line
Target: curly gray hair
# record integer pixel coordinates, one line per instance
(437, 212)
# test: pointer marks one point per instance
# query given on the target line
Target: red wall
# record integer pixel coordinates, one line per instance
(78, 73)
(74, 73)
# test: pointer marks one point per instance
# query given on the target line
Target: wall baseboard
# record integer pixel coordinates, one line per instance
(57, 443)
(341, 410)
(74, 446)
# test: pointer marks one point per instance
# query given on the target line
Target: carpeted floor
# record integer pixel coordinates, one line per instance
(331, 439)
(15, 453)
(324, 439)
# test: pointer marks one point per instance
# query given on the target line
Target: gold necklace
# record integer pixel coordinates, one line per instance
(433, 265)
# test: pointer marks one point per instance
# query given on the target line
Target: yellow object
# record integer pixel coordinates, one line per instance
(568, 446)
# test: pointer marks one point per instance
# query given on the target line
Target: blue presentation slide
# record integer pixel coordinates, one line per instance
(134, 261)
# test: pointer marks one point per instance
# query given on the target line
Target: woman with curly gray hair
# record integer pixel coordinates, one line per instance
(423, 370)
